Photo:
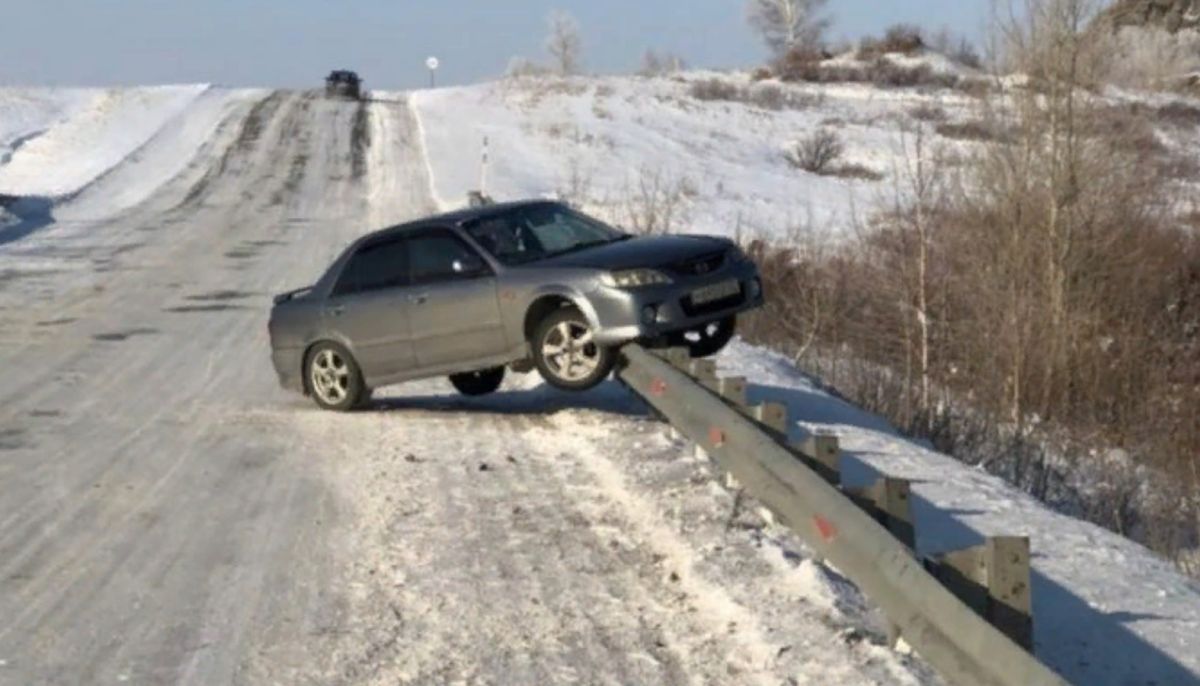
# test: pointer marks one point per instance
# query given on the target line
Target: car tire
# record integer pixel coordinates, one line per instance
(479, 383)
(708, 340)
(333, 378)
(565, 354)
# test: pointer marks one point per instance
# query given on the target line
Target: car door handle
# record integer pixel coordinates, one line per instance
(336, 310)
(419, 299)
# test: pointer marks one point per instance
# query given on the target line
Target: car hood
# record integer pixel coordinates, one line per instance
(644, 251)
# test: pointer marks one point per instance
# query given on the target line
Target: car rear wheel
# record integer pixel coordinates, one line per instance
(566, 353)
(334, 379)
(478, 383)
(709, 339)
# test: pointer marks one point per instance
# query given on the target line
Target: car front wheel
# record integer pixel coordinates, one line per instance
(566, 353)
(334, 379)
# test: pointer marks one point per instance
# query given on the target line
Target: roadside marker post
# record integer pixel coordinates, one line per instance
(432, 63)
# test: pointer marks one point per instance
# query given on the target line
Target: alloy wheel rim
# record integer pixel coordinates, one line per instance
(330, 377)
(570, 351)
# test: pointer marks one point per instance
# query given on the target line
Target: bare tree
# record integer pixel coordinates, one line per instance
(564, 43)
(788, 24)
(657, 203)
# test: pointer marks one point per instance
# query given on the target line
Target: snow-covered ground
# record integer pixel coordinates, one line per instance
(95, 129)
(169, 515)
(601, 137)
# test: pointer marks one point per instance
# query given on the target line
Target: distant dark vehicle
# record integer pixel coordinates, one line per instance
(528, 284)
(343, 84)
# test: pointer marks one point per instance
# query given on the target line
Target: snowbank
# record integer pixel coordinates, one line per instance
(160, 158)
(26, 113)
(81, 134)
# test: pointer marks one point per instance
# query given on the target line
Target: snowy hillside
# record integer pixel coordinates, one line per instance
(601, 137)
(94, 129)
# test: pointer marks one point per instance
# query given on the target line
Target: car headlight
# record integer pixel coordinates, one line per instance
(636, 278)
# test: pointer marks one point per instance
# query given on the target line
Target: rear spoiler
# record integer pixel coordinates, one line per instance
(292, 295)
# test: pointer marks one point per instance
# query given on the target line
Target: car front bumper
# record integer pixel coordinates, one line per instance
(622, 315)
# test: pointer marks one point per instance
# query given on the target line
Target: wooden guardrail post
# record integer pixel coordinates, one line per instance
(822, 453)
(678, 358)
(773, 416)
(732, 390)
(887, 500)
(994, 580)
(704, 372)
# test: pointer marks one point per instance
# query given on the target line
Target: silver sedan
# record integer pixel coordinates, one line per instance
(520, 285)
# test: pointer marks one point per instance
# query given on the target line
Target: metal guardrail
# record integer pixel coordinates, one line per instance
(967, 613)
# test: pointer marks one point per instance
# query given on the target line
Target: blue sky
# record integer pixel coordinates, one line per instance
(293, 43)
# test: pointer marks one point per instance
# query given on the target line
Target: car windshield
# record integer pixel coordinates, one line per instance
(536, 232)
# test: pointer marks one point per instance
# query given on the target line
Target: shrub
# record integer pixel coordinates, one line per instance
(715, 89)
(975, 130)
(1179, 114)
(766, 96)
(966, 55)
(816, 152)
(656, 64)
(520, 67)
(928, 113)
(800, 64)
(901, 38)
(853, 171)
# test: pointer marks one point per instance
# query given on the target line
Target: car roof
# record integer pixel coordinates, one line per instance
(455, 218)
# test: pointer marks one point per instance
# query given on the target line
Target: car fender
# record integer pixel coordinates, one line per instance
(573, 295)
(320, 336)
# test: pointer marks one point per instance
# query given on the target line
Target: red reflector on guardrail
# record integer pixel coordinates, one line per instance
(716, 437)
(658, 388)
(825, 529)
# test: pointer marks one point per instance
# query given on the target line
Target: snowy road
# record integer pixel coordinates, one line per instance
(168, 515)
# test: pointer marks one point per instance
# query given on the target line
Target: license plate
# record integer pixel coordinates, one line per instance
(715, 292)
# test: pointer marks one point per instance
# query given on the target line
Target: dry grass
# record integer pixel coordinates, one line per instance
(766, 96)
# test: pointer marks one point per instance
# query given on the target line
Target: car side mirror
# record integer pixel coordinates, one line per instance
(469, 265)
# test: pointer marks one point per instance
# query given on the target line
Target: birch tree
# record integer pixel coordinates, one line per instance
(564, 43)
(788, 24)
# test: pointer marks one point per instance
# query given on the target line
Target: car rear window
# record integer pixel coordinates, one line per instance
(375, 267)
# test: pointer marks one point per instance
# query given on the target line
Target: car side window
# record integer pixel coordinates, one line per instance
(375, 267)
(441, 256)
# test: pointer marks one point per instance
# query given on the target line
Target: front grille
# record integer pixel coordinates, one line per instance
(699, 266)
(693, 310)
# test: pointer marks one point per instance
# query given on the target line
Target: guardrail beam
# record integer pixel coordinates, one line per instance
(963, 646)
